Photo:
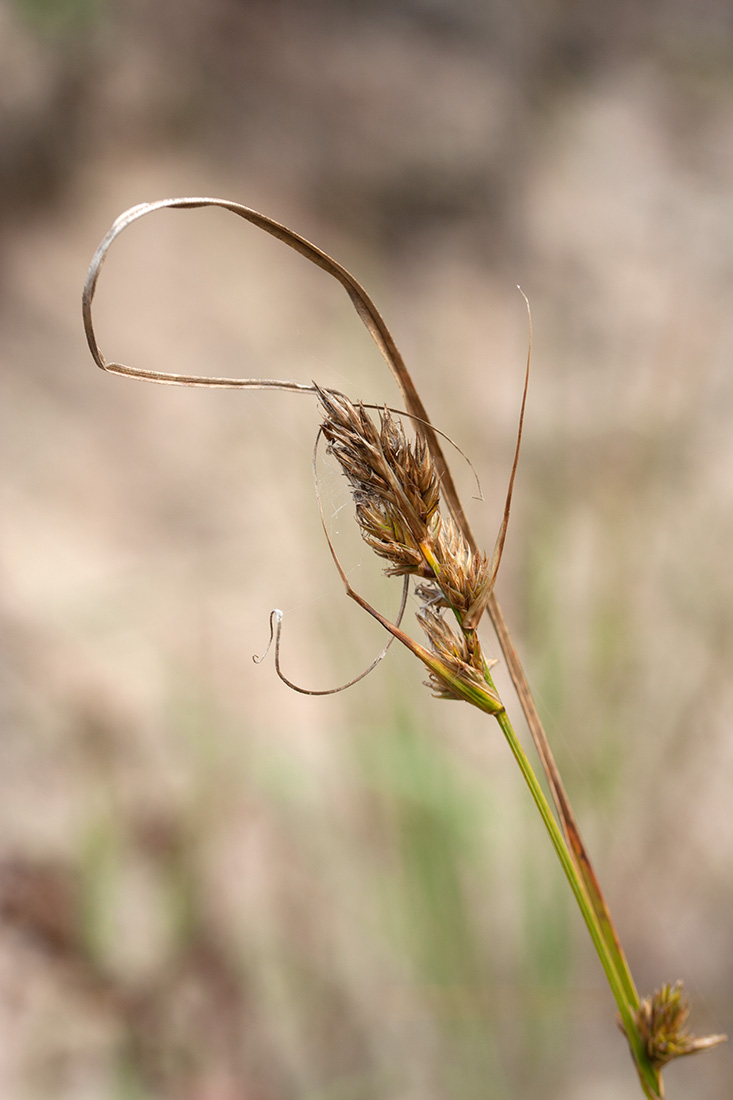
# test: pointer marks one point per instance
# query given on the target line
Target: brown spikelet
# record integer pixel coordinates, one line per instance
(464, 574)
(396, 491)
(461, 654)
(393, 481)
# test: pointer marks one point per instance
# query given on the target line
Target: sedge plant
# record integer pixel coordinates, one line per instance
(408, 511)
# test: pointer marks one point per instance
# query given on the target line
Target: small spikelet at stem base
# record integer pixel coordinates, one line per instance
(662, 1021)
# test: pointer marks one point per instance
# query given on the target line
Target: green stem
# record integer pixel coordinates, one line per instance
(577, 869)
(648, 1074)
(565, 815)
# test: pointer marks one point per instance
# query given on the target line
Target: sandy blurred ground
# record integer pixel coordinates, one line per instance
(212, 887)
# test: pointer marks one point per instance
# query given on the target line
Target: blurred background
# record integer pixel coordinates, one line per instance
(212, 888)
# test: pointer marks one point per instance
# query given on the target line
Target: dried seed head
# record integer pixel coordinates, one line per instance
(459, 652)
(662, 1020)
(393, 481)
(396, 490)
(465, 575)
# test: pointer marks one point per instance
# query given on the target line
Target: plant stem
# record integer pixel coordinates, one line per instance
(620, 985)
(565, 814)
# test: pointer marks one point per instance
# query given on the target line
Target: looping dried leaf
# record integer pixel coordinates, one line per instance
(364, 306)
(276, 622)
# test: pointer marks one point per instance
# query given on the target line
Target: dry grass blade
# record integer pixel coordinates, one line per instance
(471, 620)
(364, 306)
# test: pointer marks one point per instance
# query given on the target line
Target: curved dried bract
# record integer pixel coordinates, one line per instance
(276, 621)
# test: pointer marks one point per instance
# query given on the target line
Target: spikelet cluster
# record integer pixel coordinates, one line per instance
(460, 652)
(662, 1021)
(464, 573)
(394, 482)
(396, 491)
